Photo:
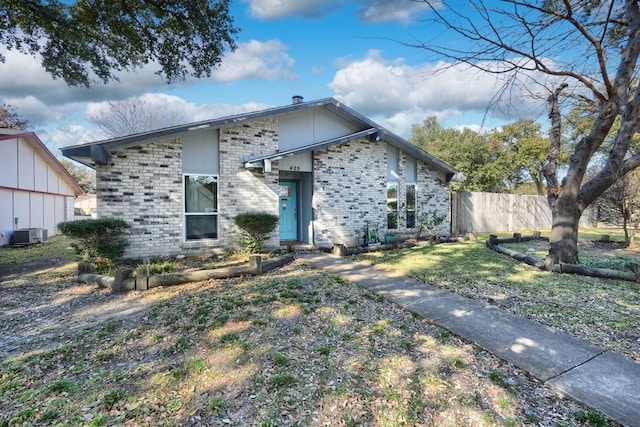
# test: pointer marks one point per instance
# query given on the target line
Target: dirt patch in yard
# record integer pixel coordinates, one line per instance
(42, 306)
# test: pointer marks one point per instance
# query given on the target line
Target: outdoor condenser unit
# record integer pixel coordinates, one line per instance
(29, 236)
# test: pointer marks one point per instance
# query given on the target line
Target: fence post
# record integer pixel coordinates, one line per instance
(338, 249)
(549, 262)
(635, 267)
(142, 278)
(122, 274)
(255, 263)
(85, 268)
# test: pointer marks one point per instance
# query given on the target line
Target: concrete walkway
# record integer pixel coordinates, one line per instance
(599, 378)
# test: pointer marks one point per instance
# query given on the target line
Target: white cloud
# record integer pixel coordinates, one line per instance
(187, 112)
(372, 11)
(23, 74)
(401, 11)
(256, 60)
(64, 135)
(379, 87)
(402, 121)
(275, 9)
(41, 99)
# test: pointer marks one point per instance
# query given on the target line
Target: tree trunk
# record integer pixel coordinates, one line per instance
(539, 187)
(632, 235)
(563, 241)
(625, 217)
(562, 199)
(630, 231)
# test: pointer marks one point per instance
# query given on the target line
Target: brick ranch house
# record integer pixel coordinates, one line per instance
(327, 171)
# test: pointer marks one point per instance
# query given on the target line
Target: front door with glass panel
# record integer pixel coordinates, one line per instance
(288, 199)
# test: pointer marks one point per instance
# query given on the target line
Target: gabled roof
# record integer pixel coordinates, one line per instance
(97, 152)
(37, 145)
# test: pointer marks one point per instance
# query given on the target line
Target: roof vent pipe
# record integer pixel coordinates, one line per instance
(297, 99)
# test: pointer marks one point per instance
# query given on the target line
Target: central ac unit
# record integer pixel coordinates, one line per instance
(29, 236)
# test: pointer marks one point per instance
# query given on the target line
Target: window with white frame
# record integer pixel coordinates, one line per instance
(201, 207)
(410, 199)
(392, 205)
(393, 165)
(200, 171)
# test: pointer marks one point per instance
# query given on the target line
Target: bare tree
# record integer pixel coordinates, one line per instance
(622, 202)
(9, 118)
(587, 49)
(133, 115)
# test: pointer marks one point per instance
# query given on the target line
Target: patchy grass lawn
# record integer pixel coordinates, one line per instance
(293, 347)
(604, 312)
(34, 257)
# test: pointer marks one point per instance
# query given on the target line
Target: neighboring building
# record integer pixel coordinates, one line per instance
(86, 206)
(36, 191)
(327, 171)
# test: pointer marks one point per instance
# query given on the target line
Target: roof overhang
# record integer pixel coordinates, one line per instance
(404, 145)
(97, 153)
(263, 160)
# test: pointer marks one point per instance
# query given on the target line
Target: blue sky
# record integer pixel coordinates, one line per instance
(350, 50)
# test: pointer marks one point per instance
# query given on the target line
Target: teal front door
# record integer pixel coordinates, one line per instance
(288, 195)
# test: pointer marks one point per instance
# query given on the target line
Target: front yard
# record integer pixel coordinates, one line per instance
(293, 347)
(604, 312)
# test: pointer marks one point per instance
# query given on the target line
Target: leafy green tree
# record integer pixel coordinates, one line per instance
(90, 40)
(467, 151)
(577, 124)
(524, 150)
(595, 46)
(84, 176)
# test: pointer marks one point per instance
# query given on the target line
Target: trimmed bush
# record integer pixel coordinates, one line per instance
(97, 238)
(256, 227)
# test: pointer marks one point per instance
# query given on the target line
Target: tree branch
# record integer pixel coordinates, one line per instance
(550, 169)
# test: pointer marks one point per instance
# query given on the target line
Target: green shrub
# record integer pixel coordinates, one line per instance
(428, 220)
(98, 238)
(256, 227)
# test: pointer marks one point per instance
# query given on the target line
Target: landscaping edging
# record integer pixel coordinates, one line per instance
(342, 250)
(548, 264)
(123, 280)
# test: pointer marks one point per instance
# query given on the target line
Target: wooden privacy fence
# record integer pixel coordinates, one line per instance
(498, 212)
